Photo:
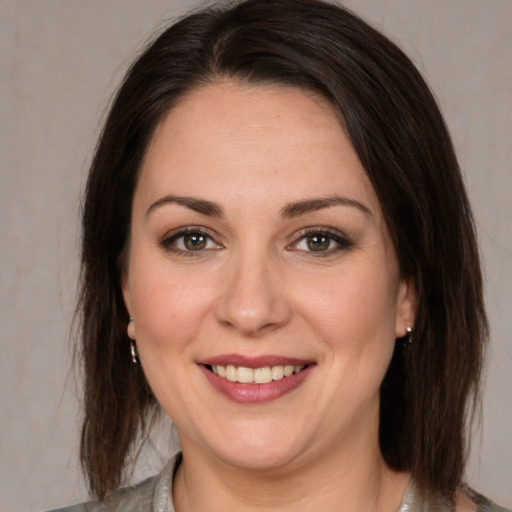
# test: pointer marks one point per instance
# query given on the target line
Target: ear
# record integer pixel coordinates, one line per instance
(407, 305)
(125, 289)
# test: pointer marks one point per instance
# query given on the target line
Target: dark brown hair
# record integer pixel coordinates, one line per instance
(399, 134)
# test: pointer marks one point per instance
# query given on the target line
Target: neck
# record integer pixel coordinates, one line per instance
(351, 478)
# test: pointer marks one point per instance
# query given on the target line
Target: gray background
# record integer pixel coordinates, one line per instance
(60, 62)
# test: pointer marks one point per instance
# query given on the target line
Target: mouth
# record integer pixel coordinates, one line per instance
(255, 380)
(263, 375)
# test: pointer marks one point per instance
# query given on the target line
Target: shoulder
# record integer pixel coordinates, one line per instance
(136, 498)
(468, 500)
(150, 495)
(486, 505)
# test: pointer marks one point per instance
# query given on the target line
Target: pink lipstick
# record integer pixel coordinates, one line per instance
(253, 380)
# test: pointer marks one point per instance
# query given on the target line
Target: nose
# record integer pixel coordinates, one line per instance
(253, 299)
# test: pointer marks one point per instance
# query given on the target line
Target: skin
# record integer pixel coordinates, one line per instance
(257, 288)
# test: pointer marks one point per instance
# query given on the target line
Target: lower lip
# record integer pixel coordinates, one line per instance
(255, 393)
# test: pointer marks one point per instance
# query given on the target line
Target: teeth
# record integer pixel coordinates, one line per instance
(277, 372)
(245, 375)
(262, 375)
(231, 373)
(257, 376)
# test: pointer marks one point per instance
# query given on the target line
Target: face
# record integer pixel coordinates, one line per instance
(264, 287)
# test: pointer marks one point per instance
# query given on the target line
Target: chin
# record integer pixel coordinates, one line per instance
(260, 447)
(258, 458)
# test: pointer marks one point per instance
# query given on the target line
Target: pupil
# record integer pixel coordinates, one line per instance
(195, 242)
(318, 242)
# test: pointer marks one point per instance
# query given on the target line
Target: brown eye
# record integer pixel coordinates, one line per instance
(195, 241)
(318, 242)
(321, 242)
(189, 241)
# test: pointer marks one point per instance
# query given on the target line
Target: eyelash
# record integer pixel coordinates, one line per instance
(342, 241)
(169, 240)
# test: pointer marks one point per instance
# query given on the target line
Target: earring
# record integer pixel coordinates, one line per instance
(133, 351)
(408, 336)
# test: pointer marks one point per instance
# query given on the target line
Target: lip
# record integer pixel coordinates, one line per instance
(255, 393)
(253, 362)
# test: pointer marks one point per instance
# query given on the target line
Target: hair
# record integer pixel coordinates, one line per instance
(395, 126)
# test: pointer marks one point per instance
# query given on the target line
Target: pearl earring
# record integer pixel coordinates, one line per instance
(133, 349)
(408, 336)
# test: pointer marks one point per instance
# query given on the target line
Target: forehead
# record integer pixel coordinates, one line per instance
(227, 137)
(231, 108)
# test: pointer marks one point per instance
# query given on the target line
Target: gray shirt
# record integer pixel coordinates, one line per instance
(154, 495)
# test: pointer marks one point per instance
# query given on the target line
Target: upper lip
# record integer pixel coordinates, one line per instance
(253, 361)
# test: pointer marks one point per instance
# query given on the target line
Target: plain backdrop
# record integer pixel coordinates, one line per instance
(60, 62)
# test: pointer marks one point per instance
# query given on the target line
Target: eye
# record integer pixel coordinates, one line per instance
(192, 242)
(317, 242)
(321, 242)
(189, 240)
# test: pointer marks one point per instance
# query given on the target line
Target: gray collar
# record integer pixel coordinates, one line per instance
(162, 494)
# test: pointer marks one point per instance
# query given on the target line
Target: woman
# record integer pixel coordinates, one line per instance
(278, 251)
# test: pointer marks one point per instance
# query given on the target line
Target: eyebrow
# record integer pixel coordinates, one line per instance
(295, 209)
(201, 206)
(312, 205)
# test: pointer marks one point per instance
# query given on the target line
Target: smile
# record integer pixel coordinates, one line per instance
(255, 380)
(262, 375)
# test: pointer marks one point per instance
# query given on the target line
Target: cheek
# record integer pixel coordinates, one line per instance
(169, 306)
(353, 309)
(170, 309)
